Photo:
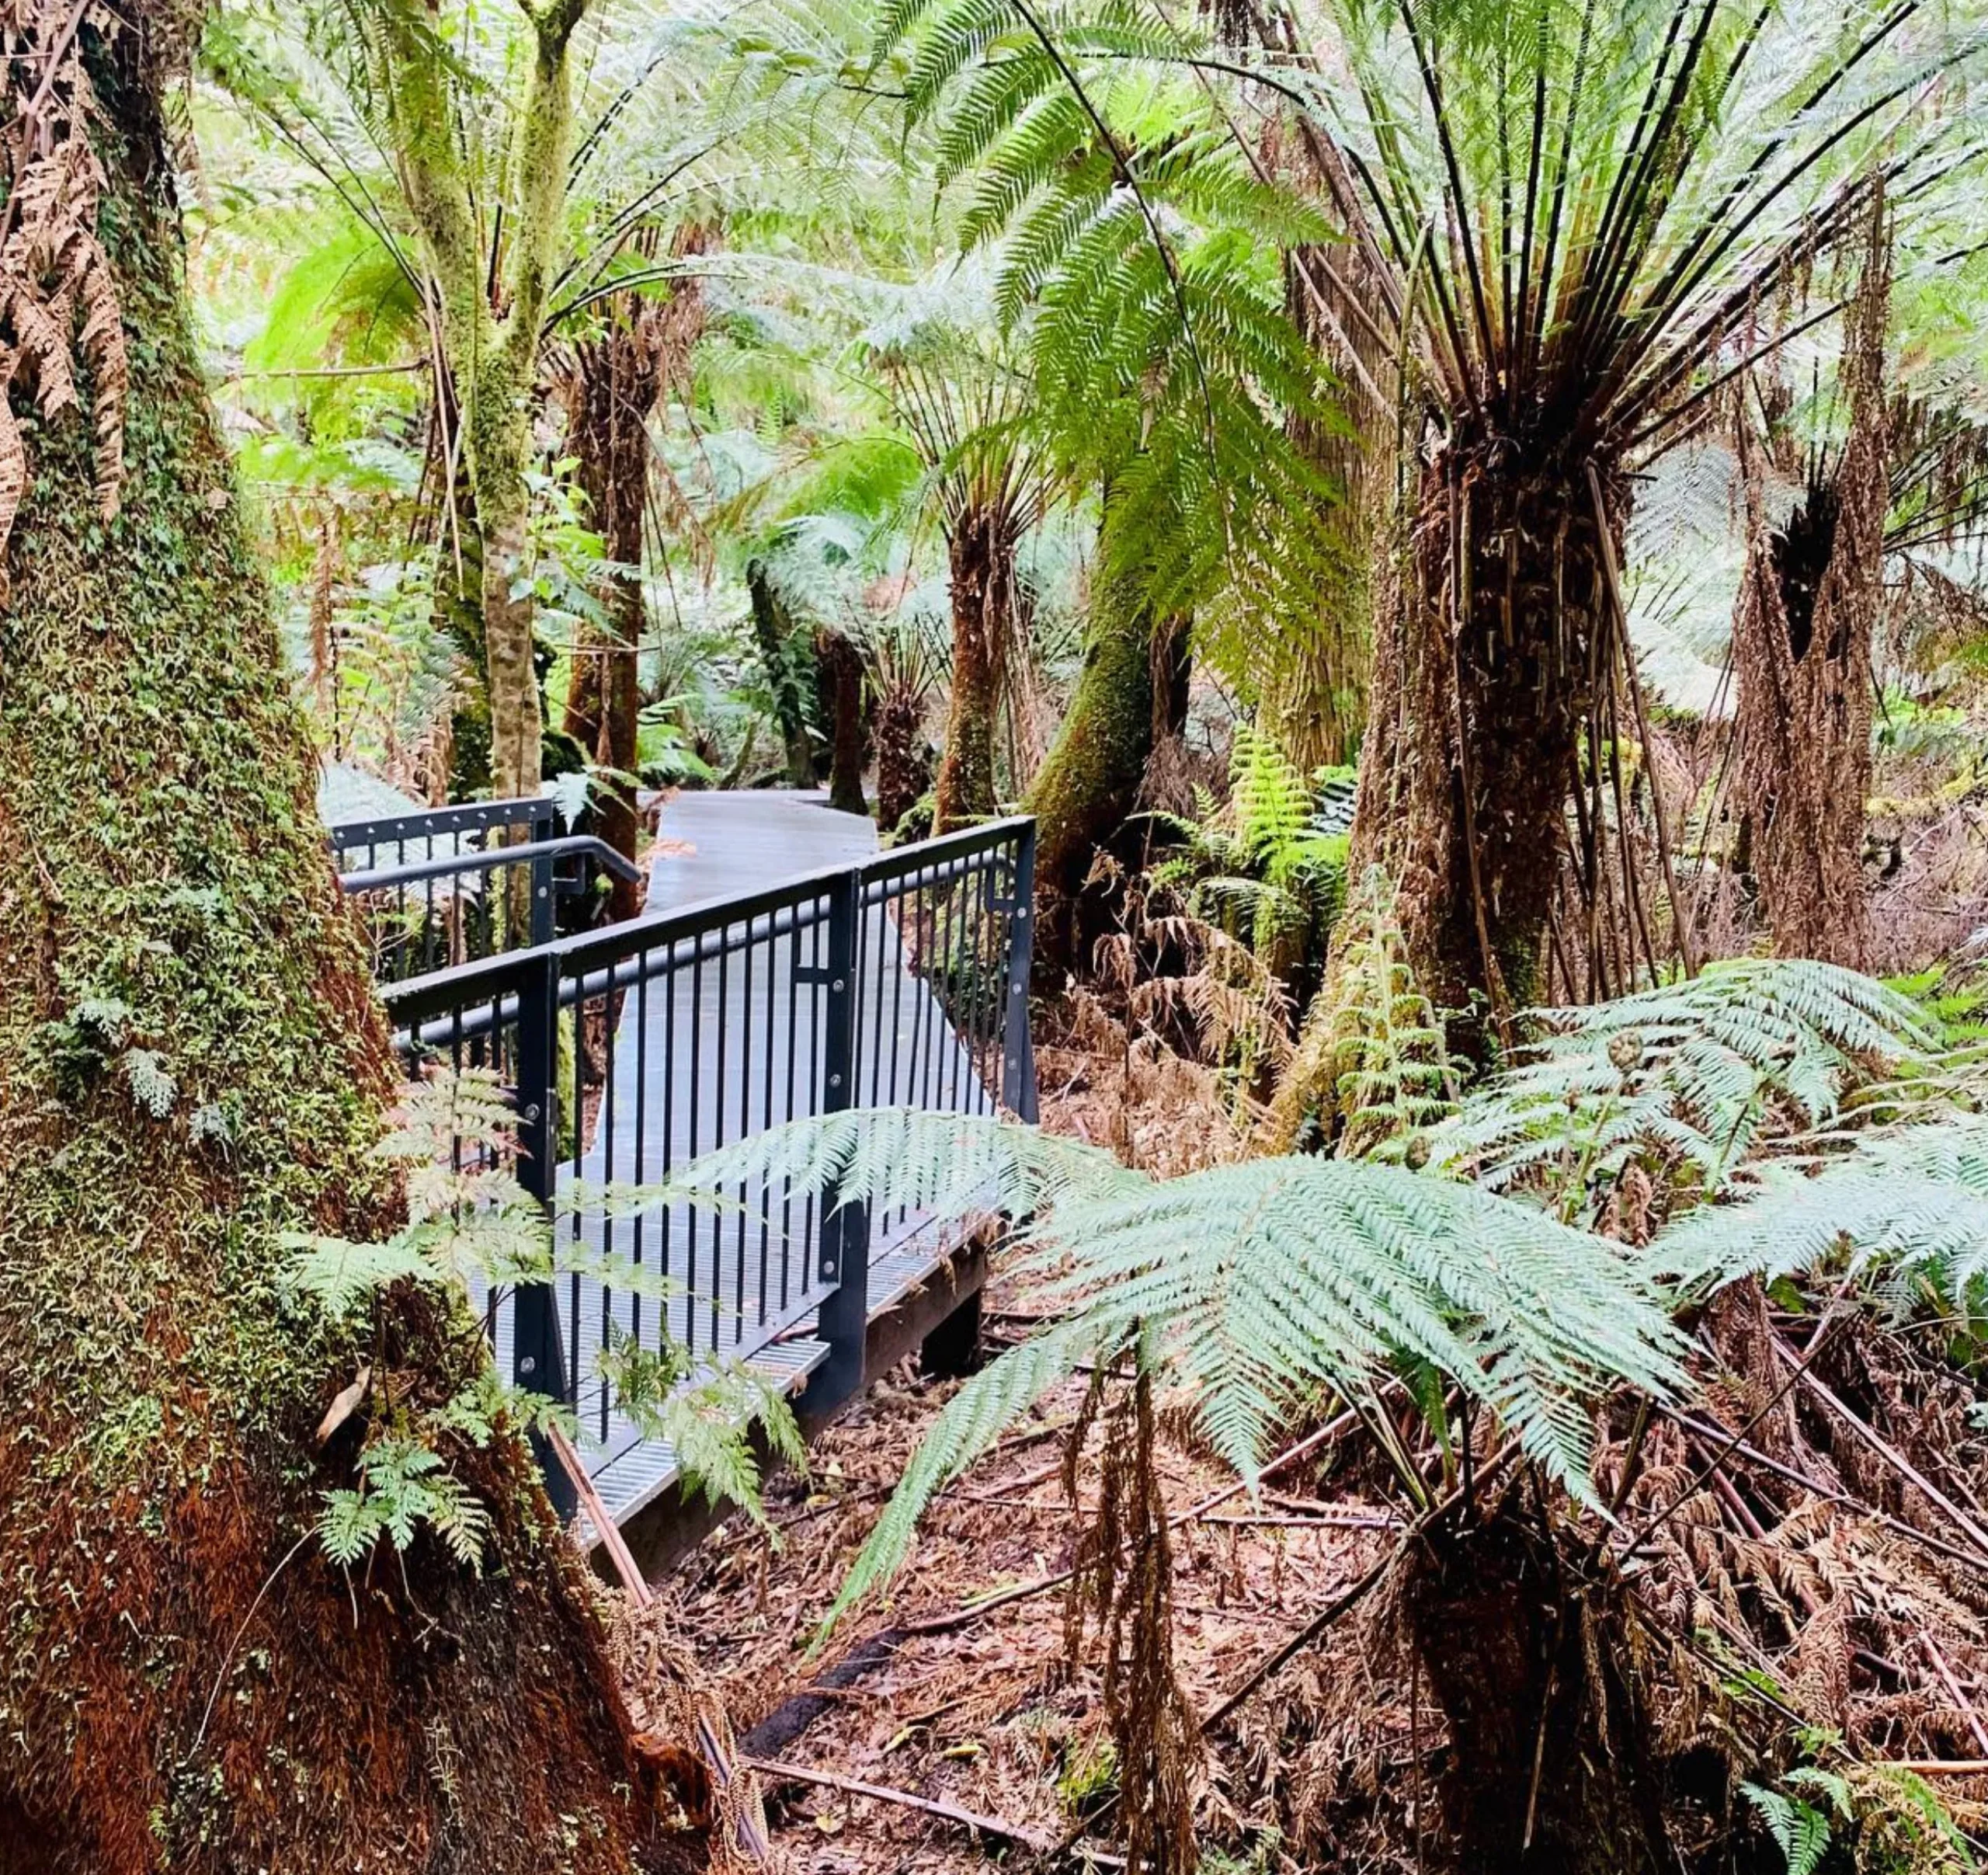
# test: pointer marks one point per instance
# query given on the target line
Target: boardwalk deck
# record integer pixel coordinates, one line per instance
(705, 1056)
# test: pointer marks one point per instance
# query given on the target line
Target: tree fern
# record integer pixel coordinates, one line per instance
(1252, 1286)
(1691, 1074)
(1906, 1206)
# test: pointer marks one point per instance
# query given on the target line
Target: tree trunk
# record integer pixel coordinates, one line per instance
(982, 553)
(904, 757)
(195, 1067)
(841, 667)
(1488, 640)
(615, 381)
(1551, 1768)
(1801, 637)
(784, 651)
(1090, 783)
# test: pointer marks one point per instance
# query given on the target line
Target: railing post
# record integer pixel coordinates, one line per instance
(1018, 1044)
(543, 898)
(844, 1270)
(538, 1358)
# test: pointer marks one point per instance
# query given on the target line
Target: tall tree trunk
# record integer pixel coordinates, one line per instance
(788, 655)
(1090, 782)
(1802, 636)
(614, 386)
(195, 1067)
(841, 667)
(981, 548)
(615, 381)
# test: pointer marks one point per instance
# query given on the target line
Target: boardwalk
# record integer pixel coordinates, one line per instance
(705, 1055)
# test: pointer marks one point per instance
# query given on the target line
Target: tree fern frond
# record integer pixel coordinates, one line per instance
(1698, 1070)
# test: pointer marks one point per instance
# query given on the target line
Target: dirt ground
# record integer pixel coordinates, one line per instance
(987, 1716)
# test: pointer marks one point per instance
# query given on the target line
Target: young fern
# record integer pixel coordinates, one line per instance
(473, 1234)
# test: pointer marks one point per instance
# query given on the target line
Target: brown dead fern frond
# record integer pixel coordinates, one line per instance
(58, 299)
(1122, 1587)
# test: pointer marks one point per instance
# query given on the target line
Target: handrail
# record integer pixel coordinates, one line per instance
(653, 930)
(900, 980)
(437, 823)
(385, 878)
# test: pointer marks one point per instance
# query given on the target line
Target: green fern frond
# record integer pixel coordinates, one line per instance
(1696, 1072)
(1252, 1286)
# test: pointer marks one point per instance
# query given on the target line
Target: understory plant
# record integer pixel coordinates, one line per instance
(473, 1238)
(1513, 1278)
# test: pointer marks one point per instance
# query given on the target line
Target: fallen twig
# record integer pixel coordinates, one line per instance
(1892, 1456)
(997, 1827)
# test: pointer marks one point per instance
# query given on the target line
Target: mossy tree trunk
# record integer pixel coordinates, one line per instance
(490, 317)
(980, 546)
(1089, 784)
(195, 1066)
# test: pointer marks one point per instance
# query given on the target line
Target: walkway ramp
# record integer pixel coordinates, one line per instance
(782, 968)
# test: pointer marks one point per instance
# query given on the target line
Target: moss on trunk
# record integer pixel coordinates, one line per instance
(195, 1064)
(1090, 782)
(787, 655)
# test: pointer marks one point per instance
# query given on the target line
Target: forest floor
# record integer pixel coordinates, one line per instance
(984, 1711)
(957, 1686)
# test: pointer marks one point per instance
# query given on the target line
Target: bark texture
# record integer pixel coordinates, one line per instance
(611, 390)
(840, 665)
(1090, 783)
(194, 1064)
(1488, 644)
(981, 549)
(1802, 641)
(1552, 1770)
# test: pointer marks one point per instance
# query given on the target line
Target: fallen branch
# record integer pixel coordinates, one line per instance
(1827, 1492)
(997, 1827)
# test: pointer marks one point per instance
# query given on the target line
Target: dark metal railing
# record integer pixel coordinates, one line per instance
(440, 887)
(900, 981)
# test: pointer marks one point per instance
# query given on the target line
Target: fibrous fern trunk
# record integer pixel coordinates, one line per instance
(1551, 1768)
(195, 1066)
(1488, 642)
(616, 380)
(840, 666)
(981, 548)
(1802, 639)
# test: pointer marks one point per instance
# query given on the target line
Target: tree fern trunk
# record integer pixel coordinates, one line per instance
(982, 564)
(1551, 1762)
(195, 1064)
(841, 667)
(1808, 609)
(784, 651)
(616, 380)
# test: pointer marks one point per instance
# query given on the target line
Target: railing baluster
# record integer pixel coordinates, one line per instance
(537, 1357)
(844, 1257)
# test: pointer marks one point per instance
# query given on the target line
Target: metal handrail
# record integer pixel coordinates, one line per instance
(438, 823)
(386, 877)
(899, 979)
